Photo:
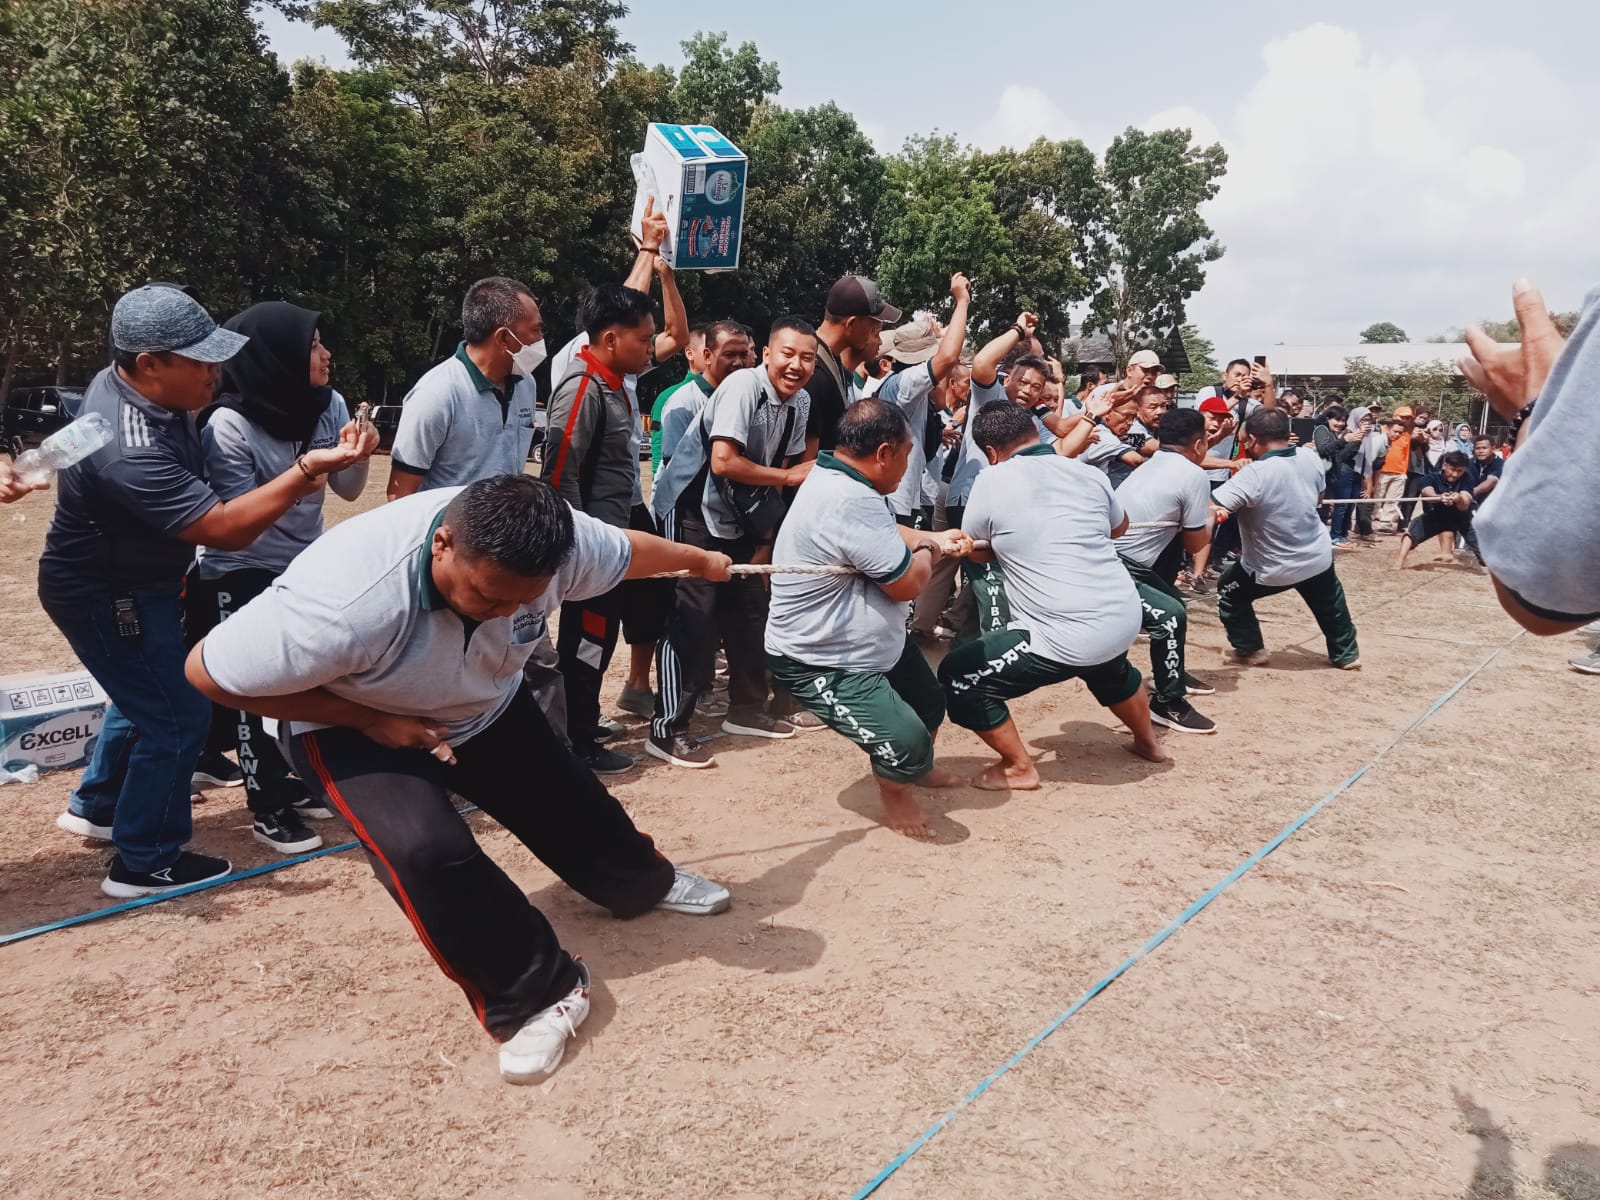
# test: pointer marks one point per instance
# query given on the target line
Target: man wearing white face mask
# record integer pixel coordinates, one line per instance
(471, 416)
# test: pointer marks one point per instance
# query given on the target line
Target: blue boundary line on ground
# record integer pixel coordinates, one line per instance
(1172, 927)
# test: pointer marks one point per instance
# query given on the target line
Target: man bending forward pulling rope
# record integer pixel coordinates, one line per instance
(393, 650)
(839, 643)
(1049, 522)
(1285, 544)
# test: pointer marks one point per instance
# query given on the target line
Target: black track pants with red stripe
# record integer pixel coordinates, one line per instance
(474, 920)
(585, 642)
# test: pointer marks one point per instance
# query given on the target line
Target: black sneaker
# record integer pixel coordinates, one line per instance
(607, 730)
(1180, 715)
(758, 724)
(123, 884)
(680, 750)
(604, 761)
(309, 807)
(1196, 687)
(215, 771)
(285, 832)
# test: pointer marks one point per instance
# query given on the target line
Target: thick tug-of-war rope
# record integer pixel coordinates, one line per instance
(783, 569)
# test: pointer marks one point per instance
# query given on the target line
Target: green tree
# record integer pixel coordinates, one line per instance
(1383, 333)
(722, 87)
(1203, 369)
(140, 141)
(1432, 385)
(937, 217)
(1508, 331)
(1044, 196)
(1147, 245)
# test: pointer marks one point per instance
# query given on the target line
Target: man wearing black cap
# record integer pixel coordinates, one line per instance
(848, 337)
(127, 521)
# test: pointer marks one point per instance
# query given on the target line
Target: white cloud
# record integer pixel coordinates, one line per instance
(1024, 115)
(1365, 186)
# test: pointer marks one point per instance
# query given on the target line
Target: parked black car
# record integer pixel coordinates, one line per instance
(34, 413)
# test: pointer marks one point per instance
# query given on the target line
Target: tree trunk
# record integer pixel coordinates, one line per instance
(63, 348)
(13, 353)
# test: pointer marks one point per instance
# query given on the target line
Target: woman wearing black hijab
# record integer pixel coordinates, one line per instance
(275, 409)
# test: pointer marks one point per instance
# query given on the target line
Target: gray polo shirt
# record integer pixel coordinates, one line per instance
(1049, 520)
(1103, 449)
(592, 456)
(842, 622)
(1540, 527)
(685, 403)
(973, 460)
(908, 390)
(746, 411)
(1167, 488)
(241, 456)
(358, 614)
(1275, 499)
(119, 512)
(456, 427)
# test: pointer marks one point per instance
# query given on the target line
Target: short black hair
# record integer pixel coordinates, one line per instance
(1001, 423)
(1016, 354)
(798, 324)
(1268, 425)
(518, 522)
(1238, 362)
(610, 305)
(1089, 377)
(870, 423)
(489, 304)
(1336, 412)
(717, 330)
(128, 360)
(1032, 362)
(1295, 392)
(700, 326)
(1180, 426)
(1453, 458)
(1483, 437)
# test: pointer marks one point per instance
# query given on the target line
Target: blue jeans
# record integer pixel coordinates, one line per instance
(137, 780)
(1346, 486)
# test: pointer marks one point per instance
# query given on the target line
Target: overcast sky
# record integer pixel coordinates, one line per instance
(1387, 161)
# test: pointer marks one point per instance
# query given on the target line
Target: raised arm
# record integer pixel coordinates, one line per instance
(986, 363)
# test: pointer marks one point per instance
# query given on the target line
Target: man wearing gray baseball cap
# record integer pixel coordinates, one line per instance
(127, 521)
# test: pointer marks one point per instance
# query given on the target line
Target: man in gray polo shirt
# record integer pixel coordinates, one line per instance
(839, 642)
(472, 415)
(1169, 490)
(127, 521)
(391, 652)
(1049, 521)
(1285, 544)
(922, 359)
(722, 491)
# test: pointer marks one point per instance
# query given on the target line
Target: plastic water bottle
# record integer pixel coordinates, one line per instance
(67, 445)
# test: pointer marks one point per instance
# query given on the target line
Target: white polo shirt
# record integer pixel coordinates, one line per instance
(1275, 499)
(455, 430)
(358, 613)
(843, 622)
(1167, 488)
(1049, 520)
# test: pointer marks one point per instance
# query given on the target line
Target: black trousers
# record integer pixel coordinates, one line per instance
(474, 920)
(207, 603)
(584, 644)
(645, 602)
(1224, 538)
(704, 614)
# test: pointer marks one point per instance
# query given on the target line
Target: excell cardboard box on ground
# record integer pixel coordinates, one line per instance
(50, 721)
(697, 177)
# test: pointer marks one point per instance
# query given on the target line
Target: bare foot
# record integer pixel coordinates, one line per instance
(905, 817)
(940, 777)
(1001, 778)
(1150, 750)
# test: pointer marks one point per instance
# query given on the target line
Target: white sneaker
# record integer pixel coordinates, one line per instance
(1589, 664)
(536, 1050)
(83, 827)
(695, 895)
(1590, 633)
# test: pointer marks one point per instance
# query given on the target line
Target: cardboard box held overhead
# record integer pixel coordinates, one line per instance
(697, 178)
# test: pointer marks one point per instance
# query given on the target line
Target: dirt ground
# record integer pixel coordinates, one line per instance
(1401, 1002)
